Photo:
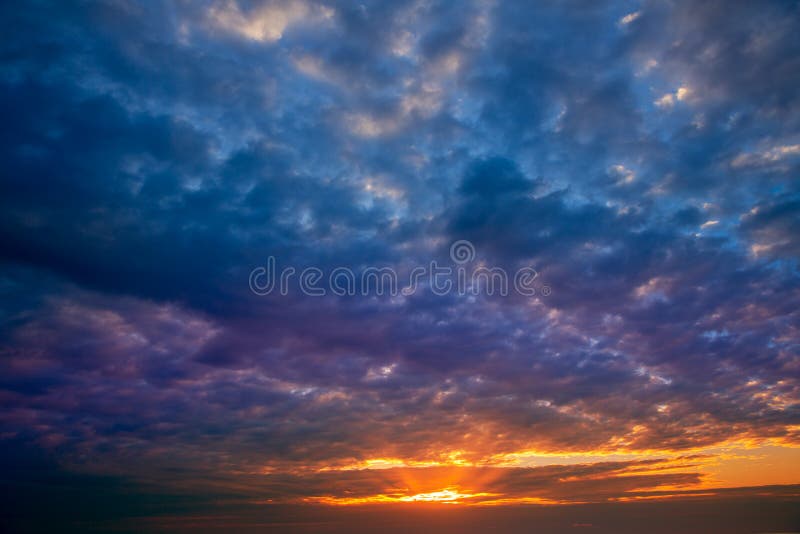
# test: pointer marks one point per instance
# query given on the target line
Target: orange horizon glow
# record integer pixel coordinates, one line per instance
(456, 481)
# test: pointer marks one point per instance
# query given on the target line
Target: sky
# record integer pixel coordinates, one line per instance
(163, 161)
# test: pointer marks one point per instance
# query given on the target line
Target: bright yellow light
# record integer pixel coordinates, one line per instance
(448, 495)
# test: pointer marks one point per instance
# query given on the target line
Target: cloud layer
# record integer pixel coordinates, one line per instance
(641, 156)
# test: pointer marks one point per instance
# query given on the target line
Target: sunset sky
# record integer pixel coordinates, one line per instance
(641, 158)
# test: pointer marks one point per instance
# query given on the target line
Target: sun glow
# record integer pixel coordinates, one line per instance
(638, 474)
(449, 495)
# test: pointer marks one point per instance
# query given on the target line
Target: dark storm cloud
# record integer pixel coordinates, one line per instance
(152, 155)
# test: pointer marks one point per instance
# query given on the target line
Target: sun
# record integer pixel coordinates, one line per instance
(449, 495)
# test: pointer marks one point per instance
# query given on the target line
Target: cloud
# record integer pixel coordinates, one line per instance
(266, 22)
(630, 17)
(153, 156)
(772, 228)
